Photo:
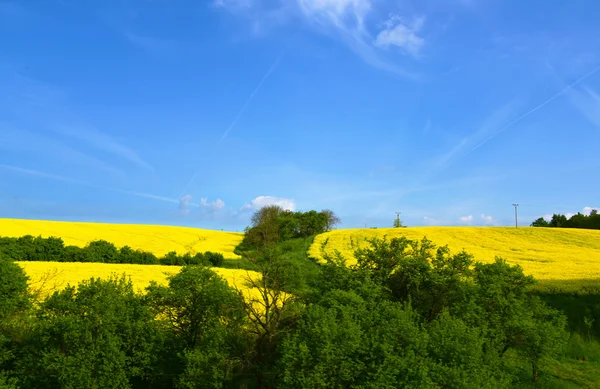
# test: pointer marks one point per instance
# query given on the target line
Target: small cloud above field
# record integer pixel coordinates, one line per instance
(215, 205)
(488, 220)
(262, 201)
(466, 219)
(184, 204)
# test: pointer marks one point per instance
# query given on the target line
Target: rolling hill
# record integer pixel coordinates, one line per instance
(157, 239)
(564, 259)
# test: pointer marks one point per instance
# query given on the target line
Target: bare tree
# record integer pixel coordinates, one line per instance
(270, 312)
(332, 219)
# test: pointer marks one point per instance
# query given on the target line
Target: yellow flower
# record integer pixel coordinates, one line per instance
(156, 239)
(567, 259)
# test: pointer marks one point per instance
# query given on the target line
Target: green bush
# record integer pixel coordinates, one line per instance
(215, 259)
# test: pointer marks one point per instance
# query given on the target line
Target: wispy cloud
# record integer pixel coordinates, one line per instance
(348, 20)
(534, 109)
(262, 201)
(46, 107)
(587, 101)
(239, 113)
(232, 4)
(56, 177)
(499, 121)
(41, 174)
(152, 45)
(10, 9)
(402, 35)
(251, 97)
(184, 204)
(355, 23)
(427, 127)
(12, 139)
(103, 142)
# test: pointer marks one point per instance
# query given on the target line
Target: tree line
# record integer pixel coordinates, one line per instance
(579, 220)
(30, 248)
(272, 224)
(409, 314)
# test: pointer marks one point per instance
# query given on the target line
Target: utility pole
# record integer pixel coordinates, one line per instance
(516, 217)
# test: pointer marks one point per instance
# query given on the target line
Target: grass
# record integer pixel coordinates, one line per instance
(156, 239)
(299, 270)
(564, 260)
(46, 277)
(578, 366)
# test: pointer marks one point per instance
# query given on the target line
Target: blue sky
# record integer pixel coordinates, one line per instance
(197, 113)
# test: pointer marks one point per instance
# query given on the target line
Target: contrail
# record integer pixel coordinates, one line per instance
(543, 104)
(55, 177)
(241, 111)
(254, 92)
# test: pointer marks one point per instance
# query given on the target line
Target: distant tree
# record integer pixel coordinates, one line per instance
(579, 220)
(215, 259)
(558, 220)
(540, 222)
(331, 220)
(398, 222)
(102, 251)
(264, 231)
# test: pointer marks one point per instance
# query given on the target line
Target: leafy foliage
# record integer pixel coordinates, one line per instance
(272, 224)
(99, 334)
(403, 314)
(203, 319)
(28, 248)
(579, 220)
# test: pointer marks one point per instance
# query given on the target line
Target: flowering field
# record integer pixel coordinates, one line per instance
(566, 259)
(46, 277)
(157, 239)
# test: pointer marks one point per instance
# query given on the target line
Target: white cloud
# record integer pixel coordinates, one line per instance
(547, 217)
(588, 210)
(402, 35)
(215, 205)
(356, 23)
(184, 203)
(466, 219)
(487, 219)
(261, 201)
(349, 21)
(337, 10)
(232, 4)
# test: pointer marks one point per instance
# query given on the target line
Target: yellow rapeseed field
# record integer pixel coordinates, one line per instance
(156, 239)
(50, 276)
(561, 258)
